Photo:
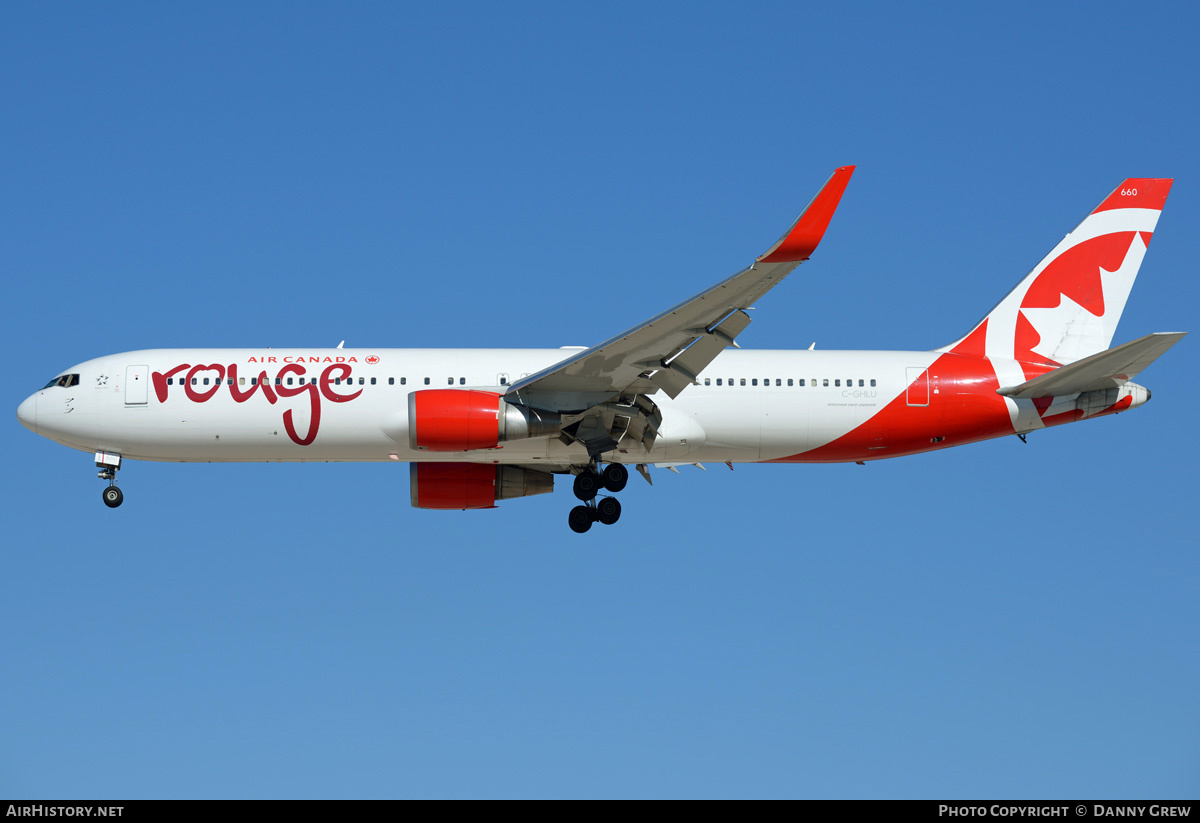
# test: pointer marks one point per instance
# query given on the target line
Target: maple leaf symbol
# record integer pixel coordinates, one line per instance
(1070, 331)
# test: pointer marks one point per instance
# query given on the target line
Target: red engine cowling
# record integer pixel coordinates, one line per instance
(453, 420)
(472, 485)
(459, 420)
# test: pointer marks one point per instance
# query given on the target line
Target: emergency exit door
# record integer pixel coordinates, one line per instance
(918, 386)
(137, 389)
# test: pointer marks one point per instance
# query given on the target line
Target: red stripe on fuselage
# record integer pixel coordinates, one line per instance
(963, 408)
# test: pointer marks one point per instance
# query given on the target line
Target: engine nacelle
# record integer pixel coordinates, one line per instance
(472, 485)
(459, 420)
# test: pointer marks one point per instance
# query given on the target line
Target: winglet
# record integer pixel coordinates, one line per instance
(801, 240)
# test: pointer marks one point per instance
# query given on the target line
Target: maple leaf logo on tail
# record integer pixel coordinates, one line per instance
(1068, 307)
(1074, 306)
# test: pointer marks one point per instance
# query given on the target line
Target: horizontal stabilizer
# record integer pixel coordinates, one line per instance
(1100, 371)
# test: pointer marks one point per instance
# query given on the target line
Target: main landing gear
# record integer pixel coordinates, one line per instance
(606, 510)
(108, 465)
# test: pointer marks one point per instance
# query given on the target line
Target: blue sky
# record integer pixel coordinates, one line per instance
(1000, 620)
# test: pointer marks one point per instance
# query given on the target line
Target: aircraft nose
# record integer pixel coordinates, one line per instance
(27, 413)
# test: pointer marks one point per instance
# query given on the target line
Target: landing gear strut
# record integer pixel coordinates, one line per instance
(606, 510)
(108, 465)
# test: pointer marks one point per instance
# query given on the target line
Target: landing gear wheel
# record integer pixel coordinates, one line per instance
(587, 483)
(615, 477)
(608, 510)
(580, 519)
(113, 497)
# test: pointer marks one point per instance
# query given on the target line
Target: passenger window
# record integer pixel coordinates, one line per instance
(825, 382)
(860, 383)
(206, 381)
(837, 382)
(170, 381)
(872, 383)
(743, 381)
(707, 381)
(241, 381)
(462, 381)
(449, 381)
(718, 381)
(253, 381)
(789, 381)
(372, 381)
(800, 381)
(403, 381)
(779, 382)
(289, 381)
(362, 381)
(754, 381)
(278, 380)
(337, 381)
(503, 381)
(426, 381)
(391, 381)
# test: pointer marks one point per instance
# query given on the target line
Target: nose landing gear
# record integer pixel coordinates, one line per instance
(606, 510)
(108, 465)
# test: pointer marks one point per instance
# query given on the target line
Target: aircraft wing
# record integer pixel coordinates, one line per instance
(1100, 371)
(667, 351)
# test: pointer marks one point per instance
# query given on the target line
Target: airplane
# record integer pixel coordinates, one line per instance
(478, 426)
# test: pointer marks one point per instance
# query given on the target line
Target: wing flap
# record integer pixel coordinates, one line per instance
(1100, 371)
(680, 371)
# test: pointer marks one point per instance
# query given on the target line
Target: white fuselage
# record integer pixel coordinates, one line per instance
(277, 405)
(767, 405)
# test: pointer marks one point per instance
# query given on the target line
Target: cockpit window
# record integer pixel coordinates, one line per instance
(63, 381)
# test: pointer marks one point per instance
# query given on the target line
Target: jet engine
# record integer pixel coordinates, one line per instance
(457, 420)
(472, 485)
